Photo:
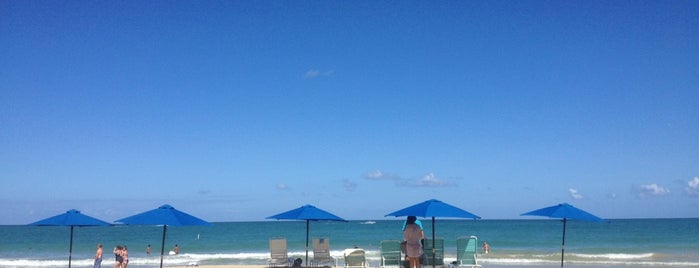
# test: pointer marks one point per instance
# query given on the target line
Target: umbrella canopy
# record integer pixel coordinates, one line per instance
(164, 215)
(564, 211)
(433, 208)
(71, 218)
(307, 213)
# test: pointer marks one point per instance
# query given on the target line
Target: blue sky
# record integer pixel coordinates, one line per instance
(238, 110)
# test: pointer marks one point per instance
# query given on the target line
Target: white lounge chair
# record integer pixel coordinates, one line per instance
(355, 257)
(321, 253)
(279, 256)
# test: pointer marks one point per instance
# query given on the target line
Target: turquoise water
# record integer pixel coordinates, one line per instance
(634, 242)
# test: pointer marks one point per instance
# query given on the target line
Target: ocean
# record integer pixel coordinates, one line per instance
(622, 242)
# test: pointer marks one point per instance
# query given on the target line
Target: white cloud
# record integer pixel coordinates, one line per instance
(282, 186)
(349, 185)
(648, 190)
(693, 187)
(428, 180)
(374, 175)
(380, 175)
(313, 73)
(574, 194)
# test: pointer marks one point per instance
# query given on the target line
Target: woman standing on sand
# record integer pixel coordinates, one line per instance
(124, 257)
(118, 259)
(412, 236)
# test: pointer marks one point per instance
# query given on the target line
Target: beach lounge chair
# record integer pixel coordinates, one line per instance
(321, 253)
(390, 253)
(438, 252)
(355, 257)
(466, 251)
(279, 256)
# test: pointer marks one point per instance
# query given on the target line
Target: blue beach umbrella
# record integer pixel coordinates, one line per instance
(71, 218)
(307, 213)
(433, 208)
(564, 211)
(164, 215)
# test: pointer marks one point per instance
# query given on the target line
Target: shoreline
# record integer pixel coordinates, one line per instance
(570, 265)
(527, 243)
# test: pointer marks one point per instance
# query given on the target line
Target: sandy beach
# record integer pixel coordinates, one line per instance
(223, 266)
(571, 265)
(249, 266)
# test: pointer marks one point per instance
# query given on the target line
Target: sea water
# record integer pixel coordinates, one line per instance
(623, 242)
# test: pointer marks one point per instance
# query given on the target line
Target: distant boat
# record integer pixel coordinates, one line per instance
(367, 222)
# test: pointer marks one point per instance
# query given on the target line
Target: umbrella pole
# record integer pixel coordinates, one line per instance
(307, 224)
(162, 248)
(70, 250)
(563, 244)
(433, 250)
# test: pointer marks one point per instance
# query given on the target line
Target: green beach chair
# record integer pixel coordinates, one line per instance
(466, 251)
(438, 252)
(279, 256)
(355, 257)
(321, 253)
(390, 253)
